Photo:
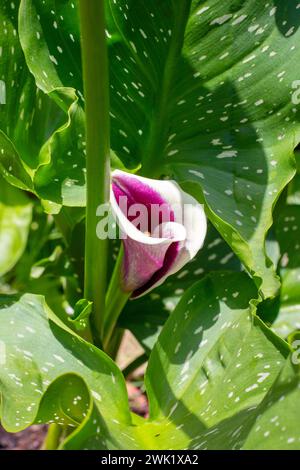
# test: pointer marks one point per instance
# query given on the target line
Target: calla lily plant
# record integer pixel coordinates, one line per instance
(108, 332)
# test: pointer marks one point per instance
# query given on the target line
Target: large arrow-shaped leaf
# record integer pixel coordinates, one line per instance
(204, 92)
(36, 349)
(36, 130)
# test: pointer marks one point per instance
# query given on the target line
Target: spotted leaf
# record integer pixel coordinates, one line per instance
(206, 94)
(28, 368)
(15, 220)
(284, 312)
(38, 130)
(219, 366)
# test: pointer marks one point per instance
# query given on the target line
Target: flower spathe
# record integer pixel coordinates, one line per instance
(173, 235)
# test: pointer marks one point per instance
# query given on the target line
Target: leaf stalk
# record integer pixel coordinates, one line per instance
(96, 90)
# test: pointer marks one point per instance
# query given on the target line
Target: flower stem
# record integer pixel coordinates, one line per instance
(53, 437)
(96, 88)
(115, 301)
(112, 348)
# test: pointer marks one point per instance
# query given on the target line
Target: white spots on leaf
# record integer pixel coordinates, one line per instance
(222, 19)
(223, 56)
(202, 10)
(216, 142)
(53, 59)
(252, 387)
(96, 395)
(262, 376)
(248, 59)
(239, 20)
(197, 173)
(173, 152)
(133, 46)
(253, 28)
(58, 358)
(226, 258)
(290, 31)
(143, 33)
(182, 274)
(259, 102)
(227, 154)
(290, 440)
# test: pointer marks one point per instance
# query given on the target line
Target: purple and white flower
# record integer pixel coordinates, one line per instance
(170, 231)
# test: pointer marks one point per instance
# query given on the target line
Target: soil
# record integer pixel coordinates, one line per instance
(30, 439)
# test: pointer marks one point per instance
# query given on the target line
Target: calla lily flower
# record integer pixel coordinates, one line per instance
(172, 231)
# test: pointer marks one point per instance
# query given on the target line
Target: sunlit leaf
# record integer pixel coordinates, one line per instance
(276, 425)
(294, 186)
(203, 94)
(217, 365)
(15, 220)
(36, 351)
(286, 311)
(37, 130)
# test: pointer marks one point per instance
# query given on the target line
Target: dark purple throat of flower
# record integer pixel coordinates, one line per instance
(144, 264)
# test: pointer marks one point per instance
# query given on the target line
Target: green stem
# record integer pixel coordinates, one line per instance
(96, 87)
(113, 347)
(53, 437)
(139, 361)
(115, 301)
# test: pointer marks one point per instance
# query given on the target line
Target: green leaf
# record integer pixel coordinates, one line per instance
(212, 327)
(277, 424)
(82, 311)
(39, 237)
(37, 349)
(44, 267)
(294, 186)
(41, 136)
(15, 220)
(51, 43)
(221, 119)
(287, 314)
(217, 364)
(60, 177)
(28, 117)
